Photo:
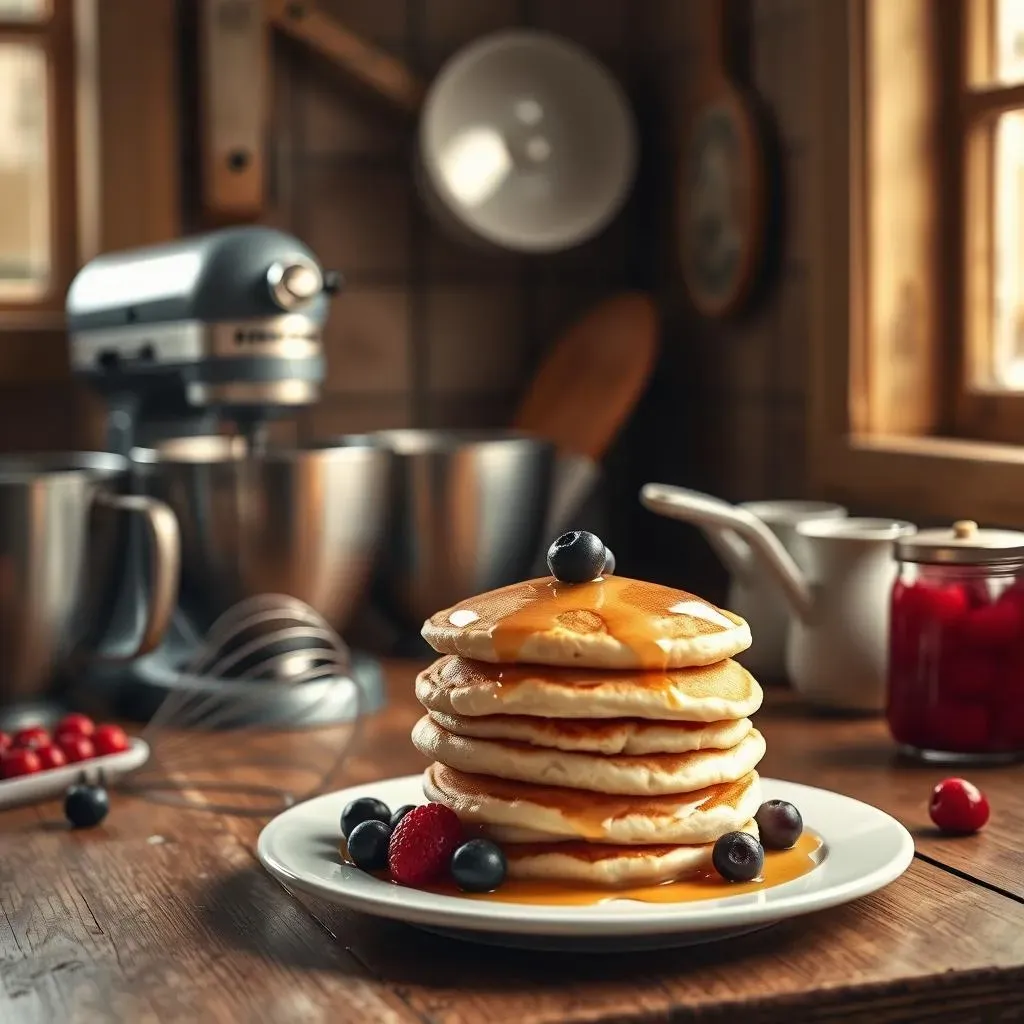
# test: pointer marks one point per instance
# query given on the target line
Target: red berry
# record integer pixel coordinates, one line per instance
(109, 739)
(994, 625)
(5, 741)
(19, 761)
(31, 736)
(422, 844)
(51, 757)
(81, 725)
(76, 748)
(958, 806)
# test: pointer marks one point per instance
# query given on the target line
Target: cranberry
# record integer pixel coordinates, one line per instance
(958, 727)
(77, 724)
(109, 739)
(19, 761)
(31, 736)
(5, 741)
(995, 625)
(958, 806)
(51, 756)
(76, 748)
(971, 676)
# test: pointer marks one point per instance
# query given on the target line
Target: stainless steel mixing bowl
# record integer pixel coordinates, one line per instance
(305, 522)
(62, 556)
(468, 513)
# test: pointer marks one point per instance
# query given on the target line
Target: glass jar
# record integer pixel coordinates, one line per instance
(956, 645)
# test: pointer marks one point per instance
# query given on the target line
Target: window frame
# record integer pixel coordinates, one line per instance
(865, 447)
(117, 174)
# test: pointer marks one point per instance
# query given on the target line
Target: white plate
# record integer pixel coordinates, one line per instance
(864, 849)
(54, 782)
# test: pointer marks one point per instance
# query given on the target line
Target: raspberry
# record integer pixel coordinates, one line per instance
(422, 844)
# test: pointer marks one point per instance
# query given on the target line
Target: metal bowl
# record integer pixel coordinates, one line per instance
(60, 565)
(305, 522)
(468, 513)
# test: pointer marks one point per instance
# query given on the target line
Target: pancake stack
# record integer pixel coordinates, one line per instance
(599, 731)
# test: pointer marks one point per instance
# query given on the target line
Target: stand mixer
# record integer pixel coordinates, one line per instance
(196, 346)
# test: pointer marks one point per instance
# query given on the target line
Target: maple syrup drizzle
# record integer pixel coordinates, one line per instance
(641, 616)
(780, 866)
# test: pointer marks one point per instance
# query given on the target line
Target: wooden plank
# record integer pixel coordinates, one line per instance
(904, 220)
(163, 914)
(129, 147)
(94, 929)
(931, 946)
(857, 757)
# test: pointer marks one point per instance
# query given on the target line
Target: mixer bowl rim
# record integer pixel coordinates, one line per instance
(343, 449)
(19, 468)
(444, 440)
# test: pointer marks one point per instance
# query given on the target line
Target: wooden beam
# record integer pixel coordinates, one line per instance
(987, 104)
(128, 139)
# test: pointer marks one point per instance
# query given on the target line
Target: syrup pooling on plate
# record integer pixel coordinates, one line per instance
(780, 866)
(640, 615)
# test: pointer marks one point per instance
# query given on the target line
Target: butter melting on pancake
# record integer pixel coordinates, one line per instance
(599, 735)
(715, 693)
(612, 622)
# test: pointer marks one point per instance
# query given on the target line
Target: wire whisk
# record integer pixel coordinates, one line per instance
(265, 711)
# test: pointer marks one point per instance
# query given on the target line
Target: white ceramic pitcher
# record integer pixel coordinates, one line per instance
(753, 593)
(838, 634)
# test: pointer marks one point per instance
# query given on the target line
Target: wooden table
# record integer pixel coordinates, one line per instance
(163, 914)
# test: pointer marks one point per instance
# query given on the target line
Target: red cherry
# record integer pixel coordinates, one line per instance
(5, 741)
(958, 806)
(994, 625)
(31, 736)
(110, 739)
(80, 725)
(19, 761)
(76, 748)
(51, 757)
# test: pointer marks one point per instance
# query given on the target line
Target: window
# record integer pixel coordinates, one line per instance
(36, 150)
(90, 160)
(917, 396)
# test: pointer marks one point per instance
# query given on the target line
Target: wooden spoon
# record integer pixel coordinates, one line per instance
(593, 377)
(724, 180)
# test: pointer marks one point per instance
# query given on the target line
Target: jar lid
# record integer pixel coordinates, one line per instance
(963, 544)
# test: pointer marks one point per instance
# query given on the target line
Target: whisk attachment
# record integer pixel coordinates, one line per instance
(261, 716)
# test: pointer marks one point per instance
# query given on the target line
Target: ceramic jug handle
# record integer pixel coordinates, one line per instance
(163, 551)
(717, 517)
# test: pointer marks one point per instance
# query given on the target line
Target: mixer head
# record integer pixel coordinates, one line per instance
(227, 323)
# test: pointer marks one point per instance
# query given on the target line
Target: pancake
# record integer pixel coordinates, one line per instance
(599, 735)
(612, 622)
(514, 811)
(607, 866)
(625, 775)
(457, 686)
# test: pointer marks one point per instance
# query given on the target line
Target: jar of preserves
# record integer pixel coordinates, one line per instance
(956, 645)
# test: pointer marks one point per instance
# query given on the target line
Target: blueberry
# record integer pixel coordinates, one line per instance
(780, 824)
(86, 806)
(400, 813)
(738, 857)
(609, 563)
(479, 866)
(577, 557)
(368, 845)
(363, 809)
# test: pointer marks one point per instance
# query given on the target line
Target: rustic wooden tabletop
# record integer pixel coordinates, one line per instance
(164, 914)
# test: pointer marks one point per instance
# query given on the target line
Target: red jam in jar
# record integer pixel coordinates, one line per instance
(956, 645)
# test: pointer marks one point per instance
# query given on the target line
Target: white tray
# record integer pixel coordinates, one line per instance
(55, 782)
